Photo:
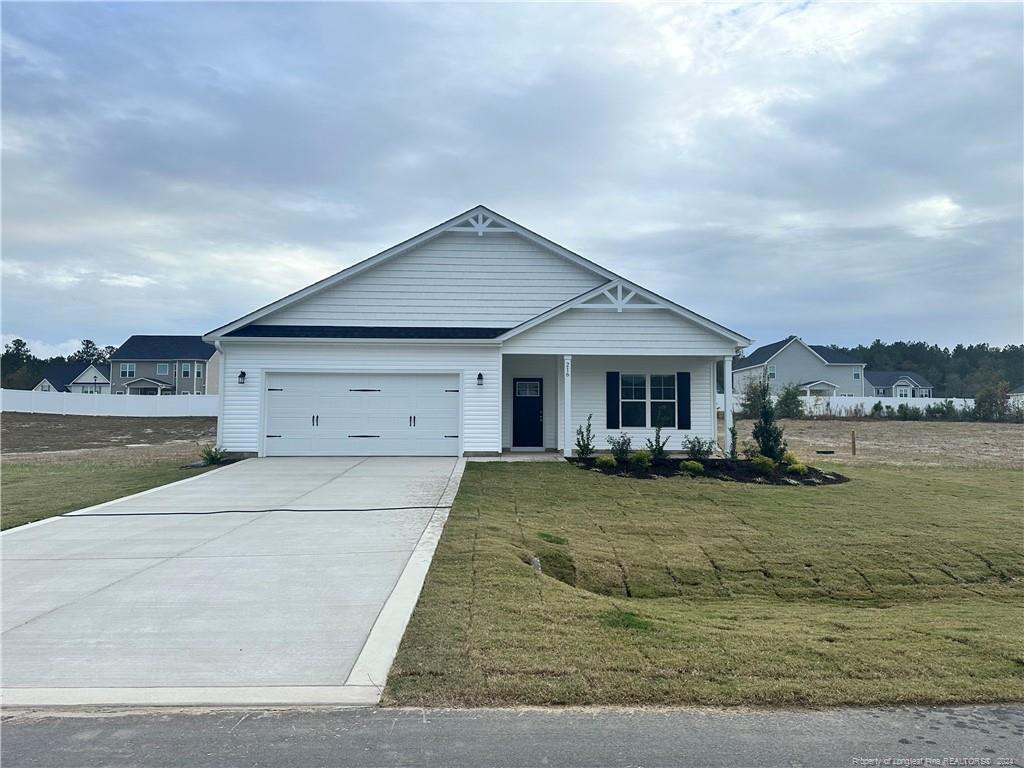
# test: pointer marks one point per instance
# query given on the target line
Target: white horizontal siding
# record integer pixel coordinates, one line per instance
(589, 395)
(241, 404)
(602, 331)
(457, 279)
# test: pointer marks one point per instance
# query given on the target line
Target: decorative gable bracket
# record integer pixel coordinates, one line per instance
(479, 223)
(618, 297)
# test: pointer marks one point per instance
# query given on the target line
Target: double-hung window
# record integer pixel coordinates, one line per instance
(663, 400)
(199, 370)
(856, 374)
(127, 370)
(647, 400)
(162, 369)
(633, 400)
(771, 372)
(186, 370)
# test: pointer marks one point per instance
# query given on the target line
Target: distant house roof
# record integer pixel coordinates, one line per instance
(363, 332)
(60, 375)
(888, 378)
(1018, 391)
(151, 380)
(762, 355)
(164, 348)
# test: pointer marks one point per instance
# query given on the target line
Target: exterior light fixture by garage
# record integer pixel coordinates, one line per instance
(241, 377)
(479, 379)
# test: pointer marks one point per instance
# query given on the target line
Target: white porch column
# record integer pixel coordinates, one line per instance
(568, 438)
(727, 390)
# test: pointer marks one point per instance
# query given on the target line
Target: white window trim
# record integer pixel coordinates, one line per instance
(197, 369)
(186, 372)
(648, 399)
(166, 369)
(771, 373)
(127, 370)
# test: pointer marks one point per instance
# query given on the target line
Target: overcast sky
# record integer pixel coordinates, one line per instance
(841, 172)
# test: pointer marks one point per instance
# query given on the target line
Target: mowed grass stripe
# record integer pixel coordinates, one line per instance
(903, 585)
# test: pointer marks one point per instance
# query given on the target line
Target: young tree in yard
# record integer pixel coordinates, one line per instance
(754, 392)
(767, 433)
(789, 405)
(992, 401)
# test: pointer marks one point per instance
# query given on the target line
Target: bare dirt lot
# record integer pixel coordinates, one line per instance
(901, 443)
(22, 433)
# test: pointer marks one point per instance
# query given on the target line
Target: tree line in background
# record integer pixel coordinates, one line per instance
(21, 369)
(959, 372)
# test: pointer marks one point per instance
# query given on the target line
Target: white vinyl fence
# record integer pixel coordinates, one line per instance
(856, 406)
(69, 403)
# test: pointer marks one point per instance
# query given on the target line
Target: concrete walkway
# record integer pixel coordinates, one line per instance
(899, 736)
(268, 581)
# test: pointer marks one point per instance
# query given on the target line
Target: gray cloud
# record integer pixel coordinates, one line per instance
(841, 172)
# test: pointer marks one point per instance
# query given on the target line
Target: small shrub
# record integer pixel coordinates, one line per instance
(796, 468)
(767, 433)
(211, 454)
(605, 462)
(657, 446)
(585, 439)
(877, 410)
(551, 538)
(693, 467)
(765, 465)
(789, 405)
(909, 412)
(944, 410)
(733, 443)
(749, 450)
(790, 458)
(698, 448)
(640, 461)
(620, 446)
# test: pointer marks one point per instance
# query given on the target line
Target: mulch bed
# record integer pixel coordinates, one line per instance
(732, 470)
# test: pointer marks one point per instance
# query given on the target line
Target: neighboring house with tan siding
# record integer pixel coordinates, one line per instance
(165, 365)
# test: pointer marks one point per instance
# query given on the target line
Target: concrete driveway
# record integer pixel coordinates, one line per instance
(268, 581)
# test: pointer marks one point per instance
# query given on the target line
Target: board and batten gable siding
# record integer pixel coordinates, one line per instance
(602, 331)
(241, 414)
(457, 279)
(589, 395)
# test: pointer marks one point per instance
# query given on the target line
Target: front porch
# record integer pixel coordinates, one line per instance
(546, 397)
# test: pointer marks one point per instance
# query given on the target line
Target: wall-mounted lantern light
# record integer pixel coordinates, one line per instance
(479, 379)
(241, 377)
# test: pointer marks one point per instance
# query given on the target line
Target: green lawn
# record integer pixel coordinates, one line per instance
(904, 585)
(30, 492)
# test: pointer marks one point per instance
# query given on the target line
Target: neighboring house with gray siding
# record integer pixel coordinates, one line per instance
(818, 370)
(165, 365)
(896, 384)
(80, 378)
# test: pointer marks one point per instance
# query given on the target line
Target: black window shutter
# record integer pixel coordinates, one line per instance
(683, 400)
(612, 400)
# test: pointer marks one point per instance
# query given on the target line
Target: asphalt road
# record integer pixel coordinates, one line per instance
(915, 736)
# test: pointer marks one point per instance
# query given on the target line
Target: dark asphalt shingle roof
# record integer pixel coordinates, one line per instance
(764, 354)
(1018, 391)
(60, 375)
(164, 348)
(888, 378)
(363, 332)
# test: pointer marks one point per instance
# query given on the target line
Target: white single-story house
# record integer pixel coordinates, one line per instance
(475, 337)
(79, 378)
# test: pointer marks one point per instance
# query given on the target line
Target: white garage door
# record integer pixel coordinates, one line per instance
(362, 414)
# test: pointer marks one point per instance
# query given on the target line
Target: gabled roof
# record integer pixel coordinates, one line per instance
(164, 348)
(761, 355)
(60, 375)
(819, 381)
(150, 379)
(888, 378)
(478, 219)
(103, 369)
(1018, 391)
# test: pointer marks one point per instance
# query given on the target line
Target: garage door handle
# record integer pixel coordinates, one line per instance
(410, 421)
(414, 421)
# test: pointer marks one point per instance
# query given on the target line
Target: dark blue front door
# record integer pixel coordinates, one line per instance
(527, 413)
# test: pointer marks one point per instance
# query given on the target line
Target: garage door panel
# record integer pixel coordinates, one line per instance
(367, 414)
